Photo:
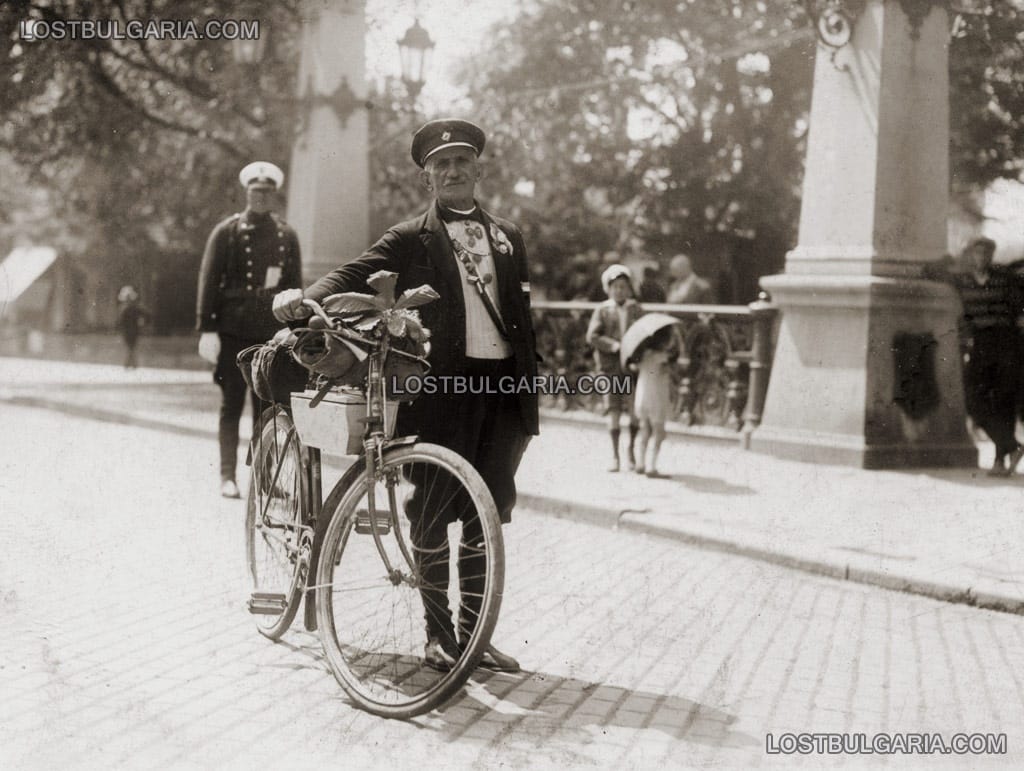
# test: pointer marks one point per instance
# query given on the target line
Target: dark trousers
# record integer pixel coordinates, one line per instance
(131, 360)
(485, 429)
(233, 389)
(991, 383)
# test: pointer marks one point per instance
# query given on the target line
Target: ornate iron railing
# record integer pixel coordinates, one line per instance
(720, 380)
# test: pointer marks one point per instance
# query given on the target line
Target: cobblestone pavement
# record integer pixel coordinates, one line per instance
(953, 534)
(126, 644)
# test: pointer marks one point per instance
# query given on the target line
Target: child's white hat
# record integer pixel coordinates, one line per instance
(613, 272)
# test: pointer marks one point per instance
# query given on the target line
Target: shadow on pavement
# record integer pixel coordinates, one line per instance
(540, 704)
(712, 485)
(968, 477)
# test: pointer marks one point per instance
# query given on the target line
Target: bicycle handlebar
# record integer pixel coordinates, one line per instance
(335, 325)
(318, 310)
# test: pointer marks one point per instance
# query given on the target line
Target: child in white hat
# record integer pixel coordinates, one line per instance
(607, 325)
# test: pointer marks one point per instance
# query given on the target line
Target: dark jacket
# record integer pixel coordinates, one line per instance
(242, 253)
(603, 333)
(420, 252)
(130, 319)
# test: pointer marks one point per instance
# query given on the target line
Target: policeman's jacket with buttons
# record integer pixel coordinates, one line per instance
(248, 259)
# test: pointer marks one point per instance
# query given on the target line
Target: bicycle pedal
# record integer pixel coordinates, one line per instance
(267, 604)
(365, 527)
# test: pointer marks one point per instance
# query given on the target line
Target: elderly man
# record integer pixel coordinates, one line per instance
(481, 328)
(687, 287)
(249, 257)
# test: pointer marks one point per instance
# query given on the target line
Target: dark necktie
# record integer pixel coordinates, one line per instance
(449, 215)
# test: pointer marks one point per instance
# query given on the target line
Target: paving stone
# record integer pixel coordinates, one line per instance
(666, 656)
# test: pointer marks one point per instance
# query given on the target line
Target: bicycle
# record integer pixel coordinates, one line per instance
(361, 558)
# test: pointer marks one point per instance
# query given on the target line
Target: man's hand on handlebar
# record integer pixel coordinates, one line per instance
(288, 306)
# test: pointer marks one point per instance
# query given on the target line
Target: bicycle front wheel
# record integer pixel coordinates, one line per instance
(401, 551)
(277, 544)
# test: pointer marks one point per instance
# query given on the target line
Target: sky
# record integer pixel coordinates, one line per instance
(458, 27)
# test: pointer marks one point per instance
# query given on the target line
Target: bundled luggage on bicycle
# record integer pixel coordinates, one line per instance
(371, 562)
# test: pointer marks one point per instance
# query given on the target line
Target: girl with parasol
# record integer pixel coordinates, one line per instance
(649, 346)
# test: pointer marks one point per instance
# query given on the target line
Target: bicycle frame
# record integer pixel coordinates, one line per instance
(313, 475)
(375, 443)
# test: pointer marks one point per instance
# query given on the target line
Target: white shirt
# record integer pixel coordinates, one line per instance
(483, 340)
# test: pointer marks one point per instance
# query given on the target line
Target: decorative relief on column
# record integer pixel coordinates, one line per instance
(917, 11)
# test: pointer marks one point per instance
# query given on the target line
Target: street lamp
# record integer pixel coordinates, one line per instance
(414, 49)
(342, 100)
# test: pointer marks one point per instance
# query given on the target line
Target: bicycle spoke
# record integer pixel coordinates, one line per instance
(374, 627)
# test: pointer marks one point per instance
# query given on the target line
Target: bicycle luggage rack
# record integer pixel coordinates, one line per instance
(336, 424)
(267, 604)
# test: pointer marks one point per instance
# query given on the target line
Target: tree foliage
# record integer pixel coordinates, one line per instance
(138, 142)
(654, 127)
(395, 192)
(986, 72)
(679, 125)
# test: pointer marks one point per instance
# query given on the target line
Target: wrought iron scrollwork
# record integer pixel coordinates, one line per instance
(710, 390)
(711, 380)
(834, 21)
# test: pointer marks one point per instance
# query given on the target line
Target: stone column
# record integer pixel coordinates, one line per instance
(867, 371)
(329, 181)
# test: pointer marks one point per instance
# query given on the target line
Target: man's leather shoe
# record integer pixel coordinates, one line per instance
(497, 661)
(228, 489)
(436, 657)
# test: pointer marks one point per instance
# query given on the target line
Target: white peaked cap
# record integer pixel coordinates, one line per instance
(261, 170)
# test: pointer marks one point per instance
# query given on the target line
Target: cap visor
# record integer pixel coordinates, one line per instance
(439, 148)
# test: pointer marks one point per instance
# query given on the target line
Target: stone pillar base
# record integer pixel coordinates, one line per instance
(867, 372)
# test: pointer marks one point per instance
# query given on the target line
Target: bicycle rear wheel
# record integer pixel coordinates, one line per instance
(371, 612)
(277, 543)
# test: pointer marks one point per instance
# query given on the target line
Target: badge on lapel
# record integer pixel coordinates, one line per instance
(500, 240)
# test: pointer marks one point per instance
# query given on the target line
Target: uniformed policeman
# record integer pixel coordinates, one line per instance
(249, 257)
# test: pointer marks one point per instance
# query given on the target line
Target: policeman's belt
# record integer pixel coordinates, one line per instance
(234, 294)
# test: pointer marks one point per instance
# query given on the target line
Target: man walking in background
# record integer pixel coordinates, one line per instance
(249, 257)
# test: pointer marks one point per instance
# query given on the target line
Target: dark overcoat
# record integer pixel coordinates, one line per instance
(420, 252)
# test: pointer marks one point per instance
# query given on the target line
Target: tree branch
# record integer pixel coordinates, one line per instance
(107, 83)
